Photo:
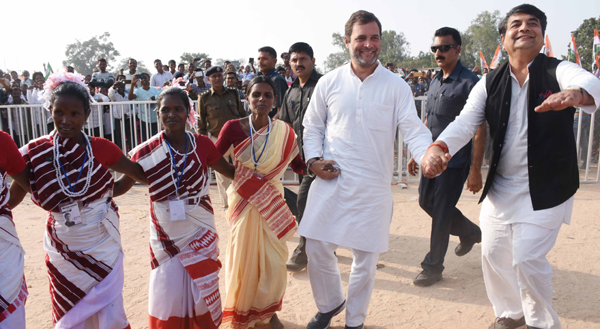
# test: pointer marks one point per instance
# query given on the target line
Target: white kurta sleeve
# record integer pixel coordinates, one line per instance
(571, 74)
(463, 128)
(315, 123)
(413, 131)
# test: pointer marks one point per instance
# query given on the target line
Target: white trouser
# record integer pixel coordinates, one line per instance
(222, 181)
(517, 275)
(16, 320)
(326, 282)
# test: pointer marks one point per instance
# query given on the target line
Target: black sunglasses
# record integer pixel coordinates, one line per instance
(443, 48)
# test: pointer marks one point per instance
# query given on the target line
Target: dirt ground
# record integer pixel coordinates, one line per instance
(459, 301)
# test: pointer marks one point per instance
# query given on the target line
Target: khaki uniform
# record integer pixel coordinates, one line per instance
(215, 110)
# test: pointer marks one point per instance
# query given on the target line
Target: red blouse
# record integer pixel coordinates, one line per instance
(233, 134)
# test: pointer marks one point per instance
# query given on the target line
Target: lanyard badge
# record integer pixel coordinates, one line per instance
(176, 205)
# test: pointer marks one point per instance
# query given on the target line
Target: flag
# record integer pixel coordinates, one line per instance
(573, 53)
(596, 51)
(496, 59)
(482, 61)
(548, 48)
(596, 64)
(47, 70)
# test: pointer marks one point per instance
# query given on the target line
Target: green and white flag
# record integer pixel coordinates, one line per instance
(47, 70)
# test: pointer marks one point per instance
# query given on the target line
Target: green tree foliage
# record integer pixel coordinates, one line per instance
(394, 48)
(584, 38)
(337, 59)
(83, 56)
(189, 57)
(481, 35)
(123, 64)
(422, 60)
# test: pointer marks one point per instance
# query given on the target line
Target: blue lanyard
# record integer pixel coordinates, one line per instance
(175, 163)
(252, 145)
(71, 188)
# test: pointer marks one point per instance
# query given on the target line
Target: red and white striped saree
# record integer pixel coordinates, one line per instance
(179, 299)
(261, 224)
(13, 289)
(78, 257)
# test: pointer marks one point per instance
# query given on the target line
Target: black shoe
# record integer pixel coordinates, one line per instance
(292, 266)
(322, 320)
(427, 278)
(466, 245)
(357, 327)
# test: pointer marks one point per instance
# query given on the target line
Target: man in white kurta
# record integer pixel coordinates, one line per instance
(353, 121)
(515, 237)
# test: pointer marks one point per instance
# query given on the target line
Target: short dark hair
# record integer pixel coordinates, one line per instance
(362, 17)
(175, 91)
(268, 50)
(132, 59)
(74, 89)
(157, 60)
(101, 60)
(172, 61)
(301, 47)
(524, 9)
(260, 79)
(445, 31)
(181, 64)
(280, 68)
(35, 74)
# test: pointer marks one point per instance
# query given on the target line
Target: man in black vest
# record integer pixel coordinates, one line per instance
(529, 105)
(293, 107)
(448, 93)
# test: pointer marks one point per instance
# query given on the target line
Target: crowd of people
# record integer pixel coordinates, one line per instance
(337, 131)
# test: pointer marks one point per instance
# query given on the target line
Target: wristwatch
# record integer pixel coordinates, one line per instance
(575, 88)
(308, 164)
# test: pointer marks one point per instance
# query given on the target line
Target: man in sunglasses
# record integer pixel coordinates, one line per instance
(438, 196)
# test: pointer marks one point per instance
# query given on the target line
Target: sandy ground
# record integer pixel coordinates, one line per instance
(459, 301)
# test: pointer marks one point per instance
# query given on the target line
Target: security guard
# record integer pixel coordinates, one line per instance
(218, 105)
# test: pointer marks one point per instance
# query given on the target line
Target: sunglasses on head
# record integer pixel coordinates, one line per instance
(443, 48)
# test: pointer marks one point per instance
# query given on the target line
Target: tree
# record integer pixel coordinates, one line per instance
(83, 56)
(482, 35)
(124, 62)
(189, 57)
(584, 36)
(340, 58)
(422, 60)
(394, 48)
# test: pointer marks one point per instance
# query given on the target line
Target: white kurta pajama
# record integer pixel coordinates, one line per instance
(354, 123)
(516, 239)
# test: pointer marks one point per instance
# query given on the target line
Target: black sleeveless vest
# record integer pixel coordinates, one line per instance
(551, 152)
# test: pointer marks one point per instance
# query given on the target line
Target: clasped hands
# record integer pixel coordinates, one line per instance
(325, 169)
(434, 162)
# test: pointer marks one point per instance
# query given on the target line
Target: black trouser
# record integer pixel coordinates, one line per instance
(299, 255)
(119, 136)
(438, 197)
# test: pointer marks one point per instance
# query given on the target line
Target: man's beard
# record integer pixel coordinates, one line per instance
(361, 61)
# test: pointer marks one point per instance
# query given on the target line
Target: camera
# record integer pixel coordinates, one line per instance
(139, 76)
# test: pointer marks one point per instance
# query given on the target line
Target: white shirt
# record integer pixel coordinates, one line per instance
(158, 80)
(509, 200)
(97, 111)
(118, 109)
(354, 123)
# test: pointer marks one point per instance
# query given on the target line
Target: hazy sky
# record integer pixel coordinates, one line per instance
(235, 29)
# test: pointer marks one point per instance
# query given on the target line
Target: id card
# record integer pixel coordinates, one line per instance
(70, 212)
(176, 209)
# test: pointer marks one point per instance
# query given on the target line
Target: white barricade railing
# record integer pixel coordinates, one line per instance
(585, 129)
(128, 124)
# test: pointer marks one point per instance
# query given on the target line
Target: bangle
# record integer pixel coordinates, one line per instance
(444, 148)
(308, 164)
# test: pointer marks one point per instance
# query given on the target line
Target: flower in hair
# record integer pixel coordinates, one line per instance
(55, 79)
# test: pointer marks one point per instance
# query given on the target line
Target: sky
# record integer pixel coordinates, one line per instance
(235, 29)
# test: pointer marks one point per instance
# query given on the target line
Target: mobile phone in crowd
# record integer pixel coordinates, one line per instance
(139, 76)
(251, 60)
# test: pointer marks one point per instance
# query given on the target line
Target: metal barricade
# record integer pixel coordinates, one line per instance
(131, 123)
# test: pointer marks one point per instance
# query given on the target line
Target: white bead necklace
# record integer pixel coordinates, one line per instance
(90, 168)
